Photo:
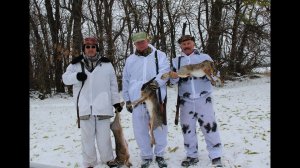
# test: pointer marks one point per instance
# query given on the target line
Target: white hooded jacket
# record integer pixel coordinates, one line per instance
(100, 89)
(139, 69)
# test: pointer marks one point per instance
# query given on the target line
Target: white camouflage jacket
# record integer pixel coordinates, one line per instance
(139, 69)
(100, 89)
(192, 87)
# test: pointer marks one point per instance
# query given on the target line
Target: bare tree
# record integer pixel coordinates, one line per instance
(54, 25)
(41, 71)
(172, 22)
(108, 22)
(233, 32)
(77, 35)
(160, 26)
(127, 9)
(199, 24)
(236, 24)
(214, 30)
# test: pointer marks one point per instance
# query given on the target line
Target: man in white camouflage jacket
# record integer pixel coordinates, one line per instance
(196, 104)
(139, 68)
(95, 91)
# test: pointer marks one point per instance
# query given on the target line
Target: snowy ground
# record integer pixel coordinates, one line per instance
(242, 111)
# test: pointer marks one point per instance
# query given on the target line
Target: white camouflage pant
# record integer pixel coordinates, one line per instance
(140, 120)
(201, 110)
(99, 130)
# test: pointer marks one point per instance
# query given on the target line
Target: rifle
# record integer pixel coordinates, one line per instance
(161, 103)
(178, 98)
(177, 110)
(77, 107)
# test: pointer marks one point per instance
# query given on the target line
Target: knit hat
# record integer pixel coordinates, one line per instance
(186, 38)
(90, 41)
(140, 36)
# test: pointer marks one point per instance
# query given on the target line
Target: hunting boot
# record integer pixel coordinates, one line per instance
(189, 161)
(146, 163)
(161, 162)
(112, 163)
(216, 162)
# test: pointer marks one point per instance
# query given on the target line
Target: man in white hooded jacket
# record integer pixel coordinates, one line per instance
(95, 91)
(139, 68)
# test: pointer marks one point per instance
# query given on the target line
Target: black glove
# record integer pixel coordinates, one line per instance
(118, 107)
(81, 76)
(154, 85)
(129, 106)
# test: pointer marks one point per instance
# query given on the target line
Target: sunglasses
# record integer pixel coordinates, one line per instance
(90, 46)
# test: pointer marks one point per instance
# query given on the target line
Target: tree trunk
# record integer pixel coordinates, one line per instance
(100, 25)
(126, 5)
(162, 35)
(77, 35)
(236, 24)
(40, 71)
(108, 22)
(172, 31)
(199, 27)
(48, 65)
(214, 30)
(54, 25)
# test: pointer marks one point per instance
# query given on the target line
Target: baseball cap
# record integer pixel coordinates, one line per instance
(140, 36)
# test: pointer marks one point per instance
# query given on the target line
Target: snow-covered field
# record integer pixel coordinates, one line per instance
(242, 111)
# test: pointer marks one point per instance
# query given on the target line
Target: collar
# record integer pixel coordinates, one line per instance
(91, 59)
(144, 53)
(195, 51)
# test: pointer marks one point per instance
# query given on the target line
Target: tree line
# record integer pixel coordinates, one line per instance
(235, 33)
